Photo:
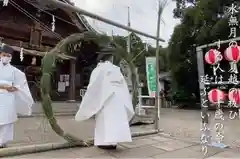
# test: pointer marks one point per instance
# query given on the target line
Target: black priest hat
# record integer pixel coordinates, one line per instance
(105, 53)
(6, 48)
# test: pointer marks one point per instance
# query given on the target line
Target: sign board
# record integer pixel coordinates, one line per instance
(151, 75)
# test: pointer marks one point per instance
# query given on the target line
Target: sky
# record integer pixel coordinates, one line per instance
(143, 16)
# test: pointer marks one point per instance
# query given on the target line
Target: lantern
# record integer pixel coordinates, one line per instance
(234, 95)
(213, 57)
(232, 54)
(216, 96)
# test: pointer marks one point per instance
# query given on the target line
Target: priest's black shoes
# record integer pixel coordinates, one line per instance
(107, 147)
(3, 146)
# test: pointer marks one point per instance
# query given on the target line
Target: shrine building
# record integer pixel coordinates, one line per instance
(32, 28)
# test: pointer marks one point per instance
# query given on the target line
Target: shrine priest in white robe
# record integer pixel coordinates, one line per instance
(15, 97)
(108, 99)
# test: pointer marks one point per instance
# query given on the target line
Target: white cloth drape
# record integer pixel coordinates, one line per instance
(6, 133)
(12, 103)
(108, 98)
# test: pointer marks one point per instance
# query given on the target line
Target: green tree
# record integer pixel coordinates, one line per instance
(202, 22)
(139, 52)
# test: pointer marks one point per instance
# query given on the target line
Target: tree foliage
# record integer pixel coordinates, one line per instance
(139, 53)
(202, 22)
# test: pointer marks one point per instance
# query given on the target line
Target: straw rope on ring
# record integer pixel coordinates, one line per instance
(67, 45)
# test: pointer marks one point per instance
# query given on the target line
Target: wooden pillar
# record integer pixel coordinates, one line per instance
(82, 78)
(72, 84)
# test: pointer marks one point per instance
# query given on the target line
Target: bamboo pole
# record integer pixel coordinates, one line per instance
(100, 18)
(129, 33)
(157, 110)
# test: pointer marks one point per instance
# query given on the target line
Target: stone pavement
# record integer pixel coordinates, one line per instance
(179, 123)
(36, 130)
(58, 108)
(154, 146)
(184, 124)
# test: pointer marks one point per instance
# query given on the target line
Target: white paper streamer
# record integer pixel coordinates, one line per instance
(53, 23)
(21, 54)
(5, 2)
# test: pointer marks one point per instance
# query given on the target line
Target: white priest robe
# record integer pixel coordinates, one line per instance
(12, 103)
(108, 98)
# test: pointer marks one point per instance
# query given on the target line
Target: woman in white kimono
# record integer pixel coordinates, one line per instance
(15, 96)
(108, 98)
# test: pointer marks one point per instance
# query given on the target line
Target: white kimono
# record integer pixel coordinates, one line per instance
(12, 103)
(108, 98)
